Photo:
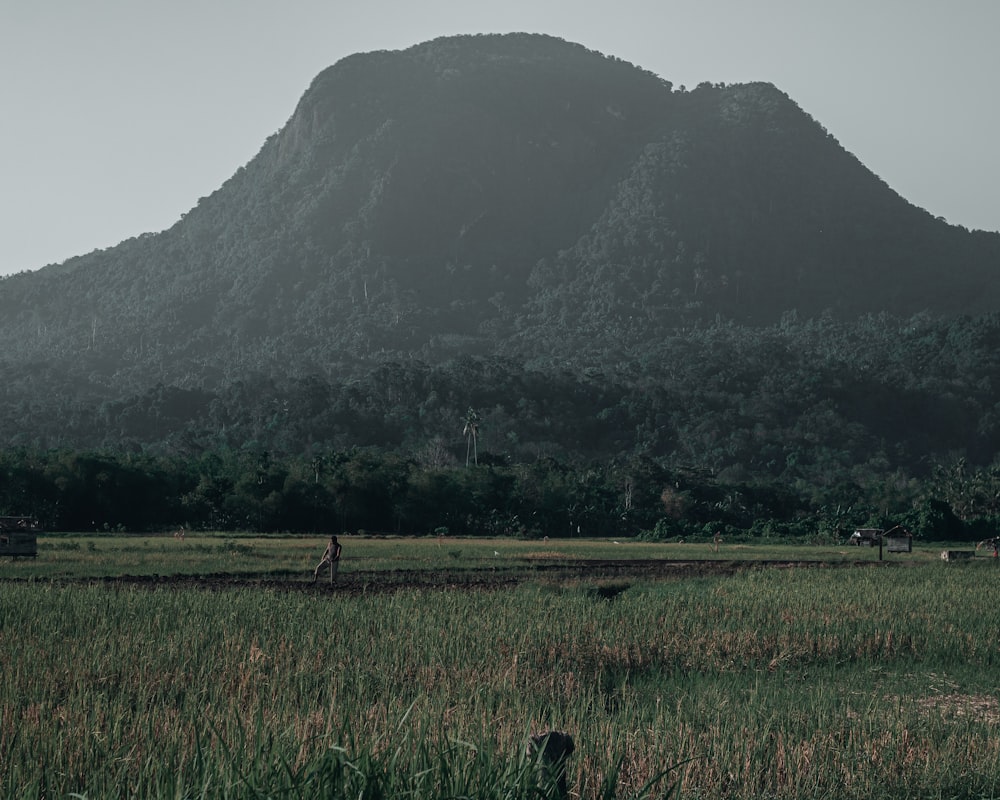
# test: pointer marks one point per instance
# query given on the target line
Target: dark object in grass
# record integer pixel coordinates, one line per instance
(550, 750)
(611, 591)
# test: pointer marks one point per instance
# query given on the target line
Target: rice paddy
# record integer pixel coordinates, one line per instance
(848, 682)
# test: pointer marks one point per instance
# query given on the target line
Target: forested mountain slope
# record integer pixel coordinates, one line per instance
(526, 202)
(472, 194)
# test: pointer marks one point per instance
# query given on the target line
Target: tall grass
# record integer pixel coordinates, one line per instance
(773, 683)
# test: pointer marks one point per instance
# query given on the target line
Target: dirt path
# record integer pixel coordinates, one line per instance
(375, 581)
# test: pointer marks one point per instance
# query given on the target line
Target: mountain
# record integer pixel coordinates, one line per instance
(479, 193)
(516, 197)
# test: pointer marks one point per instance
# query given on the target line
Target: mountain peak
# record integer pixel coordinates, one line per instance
(477, 193)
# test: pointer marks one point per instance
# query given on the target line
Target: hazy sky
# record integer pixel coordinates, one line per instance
(117, 115)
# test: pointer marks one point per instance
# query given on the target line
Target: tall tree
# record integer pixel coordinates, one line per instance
(471, 433)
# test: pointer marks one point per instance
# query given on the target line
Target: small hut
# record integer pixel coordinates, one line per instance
(19, 537)
(865, 537)
(899, 540)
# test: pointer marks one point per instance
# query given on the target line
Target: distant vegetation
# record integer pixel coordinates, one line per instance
(607, 270)
(805, 428)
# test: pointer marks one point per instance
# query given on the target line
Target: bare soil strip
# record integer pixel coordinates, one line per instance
(483, 578)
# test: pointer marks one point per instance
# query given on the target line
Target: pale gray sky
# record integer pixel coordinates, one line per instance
(117, 115)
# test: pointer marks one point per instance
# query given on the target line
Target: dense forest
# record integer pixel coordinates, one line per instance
(804, 400)
(781, 426)
(362, 490)
(658, 309)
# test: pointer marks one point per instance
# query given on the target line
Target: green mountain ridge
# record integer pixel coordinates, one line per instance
(518, 200)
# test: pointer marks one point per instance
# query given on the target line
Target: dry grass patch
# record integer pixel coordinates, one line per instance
(962, 707)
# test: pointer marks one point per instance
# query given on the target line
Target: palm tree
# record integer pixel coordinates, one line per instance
(471, 433)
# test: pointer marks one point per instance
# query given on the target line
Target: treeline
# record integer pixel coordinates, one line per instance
(809, 403)
(365, 490)
(807, 427)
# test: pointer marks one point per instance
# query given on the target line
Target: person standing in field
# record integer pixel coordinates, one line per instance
(331, 556)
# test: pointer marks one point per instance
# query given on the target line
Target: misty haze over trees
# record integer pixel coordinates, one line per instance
(671, 311)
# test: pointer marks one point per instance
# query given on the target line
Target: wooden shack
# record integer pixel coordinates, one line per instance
(19, 537)
(899, 542)
(866, 537)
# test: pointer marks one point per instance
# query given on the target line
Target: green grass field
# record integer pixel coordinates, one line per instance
(98, 555)
(847, 682)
